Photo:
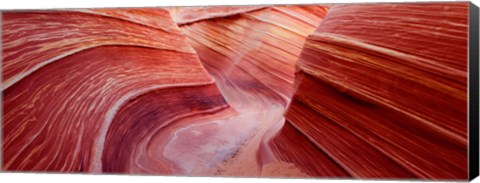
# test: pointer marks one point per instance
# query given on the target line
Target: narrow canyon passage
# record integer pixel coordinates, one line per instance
(196, 123)
(340, 90)
(255, 76)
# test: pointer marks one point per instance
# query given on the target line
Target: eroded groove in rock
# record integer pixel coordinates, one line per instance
(252, 56)
(33, 39)
(365, 91)
(255, 51)
(56, 116)
(144, 16)
(90, 84)
(391, 82)
(128, 141)
(187, 15)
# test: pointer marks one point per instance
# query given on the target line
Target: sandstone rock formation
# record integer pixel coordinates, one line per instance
(384, 94)
(70, 77)
(352, 90)
(255, 50)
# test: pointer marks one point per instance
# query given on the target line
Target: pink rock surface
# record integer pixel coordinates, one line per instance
(32, 40)
(252, 56)
(60, 116)
(187, 15)
(341, 90)
(255, 51)
(381, 89)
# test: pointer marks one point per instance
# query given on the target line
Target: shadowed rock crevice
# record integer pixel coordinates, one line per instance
(365, 91)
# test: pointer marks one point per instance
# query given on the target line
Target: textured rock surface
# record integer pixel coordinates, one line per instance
(186, 15)
(252, 55)
(34, 39)
(80, 73)
(254, 52)
(381, 89)
(116, 98)
(365, 91)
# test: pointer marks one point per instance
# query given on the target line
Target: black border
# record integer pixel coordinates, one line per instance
(473, 92)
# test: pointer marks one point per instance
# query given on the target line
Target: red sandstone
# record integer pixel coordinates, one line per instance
(365, 91)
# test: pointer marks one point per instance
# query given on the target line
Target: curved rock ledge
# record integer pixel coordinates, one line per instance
(381, 89)
(341, 90)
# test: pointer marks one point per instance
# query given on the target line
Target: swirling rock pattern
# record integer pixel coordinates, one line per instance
(34, 39)
(362, 91)
(254, 51)
(62, 116)
(382, 90)
(186, 15)
(252, 55)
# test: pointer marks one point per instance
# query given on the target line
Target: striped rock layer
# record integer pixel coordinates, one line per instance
(72, 77)
(362, 91)
(251, 52)
(381, 90)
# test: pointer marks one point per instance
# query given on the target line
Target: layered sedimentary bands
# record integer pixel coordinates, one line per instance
(363, 91)
(384, 95)
(72, 77)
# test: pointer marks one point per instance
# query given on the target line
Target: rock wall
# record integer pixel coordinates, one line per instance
(341, 90)
(70, 78)
(382, 90)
